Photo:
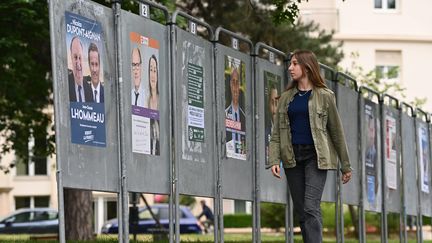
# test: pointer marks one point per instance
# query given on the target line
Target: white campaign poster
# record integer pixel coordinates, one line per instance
(140, 133)
(424, 158)
(391, 152)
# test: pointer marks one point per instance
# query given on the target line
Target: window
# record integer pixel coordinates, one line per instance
(388, 65)
(22, 217)
(145, 215)
(387, 73)
(41, 201)
(22, 202)
(22, 168)
(163, 213)
(38, 163)
(385, 4)
(111, 209)
(239, 206)
(32, 202)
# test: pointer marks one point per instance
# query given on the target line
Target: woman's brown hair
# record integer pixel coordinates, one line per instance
(310, 67)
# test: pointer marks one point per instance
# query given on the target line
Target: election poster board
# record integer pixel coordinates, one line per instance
(86, 82)
(235, 116)
(194, 110)
(85, 100)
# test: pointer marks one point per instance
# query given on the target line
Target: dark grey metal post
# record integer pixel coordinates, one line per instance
(339, 205)
(123, 195)
(401, 141)
(384, 234)
(219, 148)
(419, 164)
(256, 215)
(174, 172)
(216, 202)
(419, 209)
(59, 137)
(361, 223)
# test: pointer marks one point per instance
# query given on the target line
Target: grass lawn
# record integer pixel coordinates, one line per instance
(229, 238)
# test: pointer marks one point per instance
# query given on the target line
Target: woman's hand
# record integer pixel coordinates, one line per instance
(276, 171)
(346, 177)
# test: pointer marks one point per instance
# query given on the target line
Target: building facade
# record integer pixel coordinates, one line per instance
(391, 37)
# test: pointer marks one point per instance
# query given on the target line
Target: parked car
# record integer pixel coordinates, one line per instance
(147, 225)
(30, 221)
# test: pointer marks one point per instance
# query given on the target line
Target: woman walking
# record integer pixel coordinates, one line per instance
(307, 136)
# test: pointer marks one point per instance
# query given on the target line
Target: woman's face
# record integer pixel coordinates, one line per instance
(153, 74)
(295, 69)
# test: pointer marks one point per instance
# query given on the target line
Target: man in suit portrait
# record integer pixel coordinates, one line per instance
(273, 97)
(138, 97)
(79, 91)
(235, 113)
(94, 65)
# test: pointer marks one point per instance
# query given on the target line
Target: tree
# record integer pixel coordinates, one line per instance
(26, 80)
(380, 82)
(25, 90)
(255, 20)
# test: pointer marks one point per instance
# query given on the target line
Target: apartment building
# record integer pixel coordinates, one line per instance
(392, 37)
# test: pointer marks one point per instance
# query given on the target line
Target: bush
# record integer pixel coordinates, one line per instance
(328, 215)
(187, 200)
(272, 215)
(237, 220)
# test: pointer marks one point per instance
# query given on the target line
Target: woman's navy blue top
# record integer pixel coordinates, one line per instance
(298, 113)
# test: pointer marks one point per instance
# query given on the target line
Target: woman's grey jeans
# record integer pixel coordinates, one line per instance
(306, 183)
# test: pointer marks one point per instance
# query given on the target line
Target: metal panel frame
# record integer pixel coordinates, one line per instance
(347, 86)
(364, 205)
(75, 160)
(409, 203)
(194, 171)
(140, 169)
(268, 188)
(238, 168)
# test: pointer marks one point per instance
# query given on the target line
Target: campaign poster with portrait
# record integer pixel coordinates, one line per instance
(272, 91)
(391, 152)
(193, 99)
(144, 59)
(424, 157)
(371, 153)
(85, 61)
(235, 116)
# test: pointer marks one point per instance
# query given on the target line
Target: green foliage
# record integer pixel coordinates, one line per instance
(25, 78)
(237, 220)
(187, 200)
(254, 21)
(286, 11)
(328, 215)
(272, 215)
(376, 80)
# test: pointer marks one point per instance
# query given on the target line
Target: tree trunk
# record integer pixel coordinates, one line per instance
(78, 214)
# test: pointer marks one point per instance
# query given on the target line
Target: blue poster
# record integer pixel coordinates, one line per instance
(85, 72)
(371, 152)
(370, 189)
